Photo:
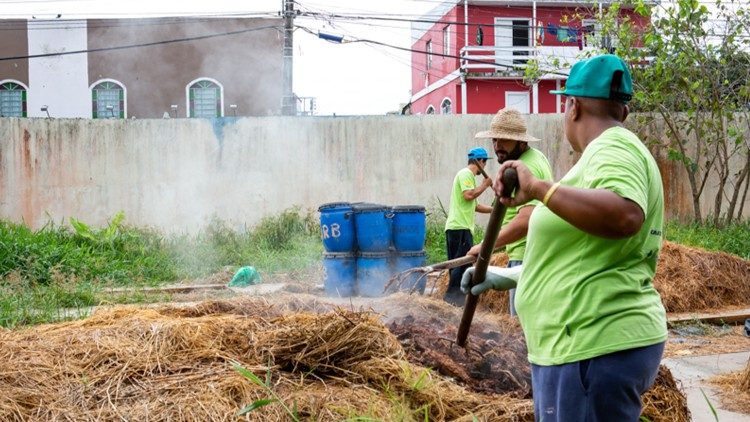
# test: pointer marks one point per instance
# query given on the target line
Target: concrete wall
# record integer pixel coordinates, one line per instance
(58, 82)
(174, 174)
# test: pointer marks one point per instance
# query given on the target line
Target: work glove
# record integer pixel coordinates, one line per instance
(497, 278)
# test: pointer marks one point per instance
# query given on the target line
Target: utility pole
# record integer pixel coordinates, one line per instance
(287, 65)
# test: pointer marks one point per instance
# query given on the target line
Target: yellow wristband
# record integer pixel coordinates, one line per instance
(549, 193)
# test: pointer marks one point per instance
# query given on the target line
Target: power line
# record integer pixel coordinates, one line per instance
(123, 47)
(414, 50)
(55, 25)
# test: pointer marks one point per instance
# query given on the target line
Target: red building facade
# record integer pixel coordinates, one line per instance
(470, 55)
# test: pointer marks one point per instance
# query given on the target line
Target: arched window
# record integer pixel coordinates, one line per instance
(446, 107)
(108, 100)
(12, 99)
(205, 99)
(430, 110)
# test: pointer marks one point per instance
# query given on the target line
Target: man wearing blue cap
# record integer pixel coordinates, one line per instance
(595, 326)
(459, 228)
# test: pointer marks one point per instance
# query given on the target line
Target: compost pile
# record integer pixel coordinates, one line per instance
(493, 362)
(734, 390)
(688, 280)
(328, 363)
(692, 279)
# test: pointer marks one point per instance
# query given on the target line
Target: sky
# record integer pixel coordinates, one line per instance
(345, 79)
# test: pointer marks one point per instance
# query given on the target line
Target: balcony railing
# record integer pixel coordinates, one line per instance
(510, 61)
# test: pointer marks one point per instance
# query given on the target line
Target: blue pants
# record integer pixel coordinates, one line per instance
(512, 292)
(604, 388)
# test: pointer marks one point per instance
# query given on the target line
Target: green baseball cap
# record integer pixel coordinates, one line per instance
(606, 76)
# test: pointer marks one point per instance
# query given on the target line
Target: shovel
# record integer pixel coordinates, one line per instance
(510, 183)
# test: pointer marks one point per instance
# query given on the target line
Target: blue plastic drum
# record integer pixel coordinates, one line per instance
(373, 273)
(403, 261)
(340, 274)
(409, 227)
(337, 227)
(372, 226)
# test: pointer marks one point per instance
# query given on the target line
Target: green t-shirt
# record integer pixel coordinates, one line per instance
(461, 211)
(540, 168)
(582, 296)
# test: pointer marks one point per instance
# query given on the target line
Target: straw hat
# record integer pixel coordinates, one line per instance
(507, 124)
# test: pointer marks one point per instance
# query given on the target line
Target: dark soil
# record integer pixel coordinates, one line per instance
(493, 362)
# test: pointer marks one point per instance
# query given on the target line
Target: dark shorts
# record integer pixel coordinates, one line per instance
(604, 388)
(457, 243)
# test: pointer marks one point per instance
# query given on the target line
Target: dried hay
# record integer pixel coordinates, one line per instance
(688, 279)
(734, 390)
(152, 365)
(664, 401)
(692, 279)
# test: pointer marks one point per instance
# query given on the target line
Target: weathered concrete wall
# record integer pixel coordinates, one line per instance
(175, 174)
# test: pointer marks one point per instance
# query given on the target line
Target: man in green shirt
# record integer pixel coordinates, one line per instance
(511, 142)
(595, 326)
(459, 228)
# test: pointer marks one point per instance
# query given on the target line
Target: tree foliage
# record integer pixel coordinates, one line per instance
(691, 75)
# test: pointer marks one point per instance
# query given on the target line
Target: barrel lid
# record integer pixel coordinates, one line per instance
(372, 254)
(412, 253)
(334, 205)
(407, 208)
(368, 207)
(339, 255)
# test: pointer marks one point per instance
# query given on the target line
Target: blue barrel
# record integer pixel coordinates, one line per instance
(337, 227)
(372, 224)
(340, 274)
(373, 273)
(403, 261)
(409, 227)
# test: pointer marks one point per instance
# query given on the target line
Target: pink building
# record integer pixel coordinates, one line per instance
(472, 53)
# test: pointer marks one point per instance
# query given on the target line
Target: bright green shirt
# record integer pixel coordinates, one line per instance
(582, 296)
(461, 211)
(540, 168)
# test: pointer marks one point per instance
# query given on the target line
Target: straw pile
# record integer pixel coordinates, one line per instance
(688, 279)
(154, 365)
(734, 390)
(692, 279)
(665, 401)
(332, 364)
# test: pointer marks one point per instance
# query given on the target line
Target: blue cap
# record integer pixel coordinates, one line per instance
(478, 153)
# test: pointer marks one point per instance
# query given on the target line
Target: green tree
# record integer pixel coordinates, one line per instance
(691, 74)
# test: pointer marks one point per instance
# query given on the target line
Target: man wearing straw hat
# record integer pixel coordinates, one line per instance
(459, 227)
(511, 142)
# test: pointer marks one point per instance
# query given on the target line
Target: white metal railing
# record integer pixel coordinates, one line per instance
(512, 60)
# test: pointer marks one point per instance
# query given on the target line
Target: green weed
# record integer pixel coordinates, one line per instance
(266, 385)
(733, 238)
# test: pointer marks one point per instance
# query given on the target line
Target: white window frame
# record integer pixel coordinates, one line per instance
(187, 94)
(21, 84)
(428, 50)
(528, 96)
(442, 105)
(429, 107)
(507, 22)
(446, 40)
(124, 95)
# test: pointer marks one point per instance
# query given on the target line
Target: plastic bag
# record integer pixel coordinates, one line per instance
(245, 276)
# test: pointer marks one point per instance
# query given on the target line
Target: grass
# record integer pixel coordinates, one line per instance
(734, 238)
(57, 272)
